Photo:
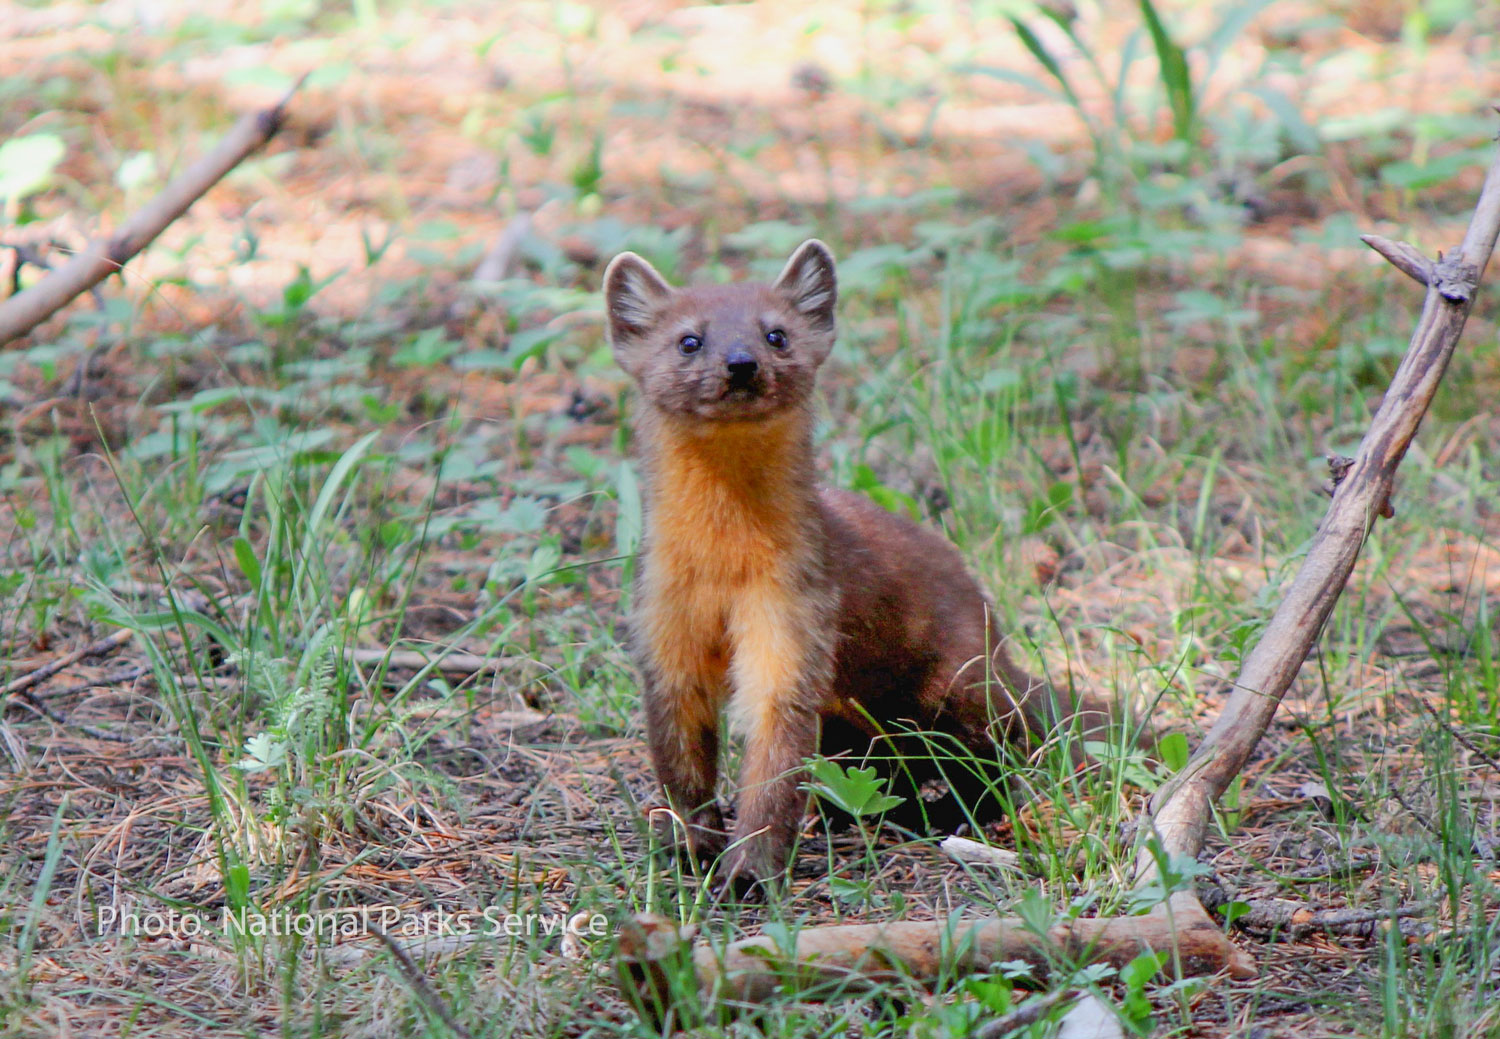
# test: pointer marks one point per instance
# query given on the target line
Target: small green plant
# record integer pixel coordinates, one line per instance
(1135, 975)
(1173, 874)
(1125, 155)
(857, 791)
(860, 793)
(27, 166)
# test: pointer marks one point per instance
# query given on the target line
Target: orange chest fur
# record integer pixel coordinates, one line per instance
(726, 532)
(727, 510)
(705, 534)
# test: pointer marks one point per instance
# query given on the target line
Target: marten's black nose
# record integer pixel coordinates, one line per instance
(742, 367)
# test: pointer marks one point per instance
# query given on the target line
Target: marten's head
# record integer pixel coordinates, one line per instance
(725, 352)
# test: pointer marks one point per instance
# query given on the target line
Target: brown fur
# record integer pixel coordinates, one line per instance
(811, 615)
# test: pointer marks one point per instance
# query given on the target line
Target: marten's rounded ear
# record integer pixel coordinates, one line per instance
(809, 283)
(633, 293)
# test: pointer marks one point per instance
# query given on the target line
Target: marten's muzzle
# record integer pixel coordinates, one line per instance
(744, 374)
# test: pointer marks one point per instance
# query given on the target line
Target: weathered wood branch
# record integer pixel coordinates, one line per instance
(655, 955)
(1180, 810)
(97, 648)
(846, 959)
(1406, 258)
(102, 257)
(416, 660)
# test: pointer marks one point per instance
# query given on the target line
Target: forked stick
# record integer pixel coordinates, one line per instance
(655, 955)
(1180, 809)
(102, 257)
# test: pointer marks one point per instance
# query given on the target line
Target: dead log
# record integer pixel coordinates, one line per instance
(655, 955)
(102, 257)
(845, 959)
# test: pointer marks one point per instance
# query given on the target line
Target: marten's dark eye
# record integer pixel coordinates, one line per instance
(777, 339)
(689, 344)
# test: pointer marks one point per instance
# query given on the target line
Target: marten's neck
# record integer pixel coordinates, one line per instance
(731, 496)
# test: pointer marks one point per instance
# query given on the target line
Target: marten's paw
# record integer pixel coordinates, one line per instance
(697, 842)
(740, 888)
(737, 881)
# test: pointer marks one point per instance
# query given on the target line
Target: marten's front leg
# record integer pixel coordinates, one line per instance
(682, 729)
(771, 802)
(780, 673)
(679, 646)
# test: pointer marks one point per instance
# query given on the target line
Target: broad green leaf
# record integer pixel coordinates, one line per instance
(1173, 748)
(244, 557)
(27, 164)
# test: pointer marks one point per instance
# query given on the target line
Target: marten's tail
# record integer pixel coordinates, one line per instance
(1050, 712)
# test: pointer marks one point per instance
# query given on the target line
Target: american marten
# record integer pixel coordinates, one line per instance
(818, 619)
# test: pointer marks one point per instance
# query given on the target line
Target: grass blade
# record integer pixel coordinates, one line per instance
(1033, 43)
(1235, 20)
(1175, 76)
(39, 895)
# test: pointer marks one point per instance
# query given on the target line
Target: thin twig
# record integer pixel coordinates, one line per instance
(88, 730)
(130, 674)
(1348, 866)
(1406, 258)
(1460, 737)
(21, 687)
(1418, 816)
(102, 257)
(97, 648)
(418, 982)
(1029, 1012)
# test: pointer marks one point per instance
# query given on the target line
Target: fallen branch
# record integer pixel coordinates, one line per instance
(22, 687)
(849, 958)
(92, 731)
(97, 648)
(1294, 920)
(1180, 809)
(102, 257)
(653, 951)
(415, 660)
(42, 707)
